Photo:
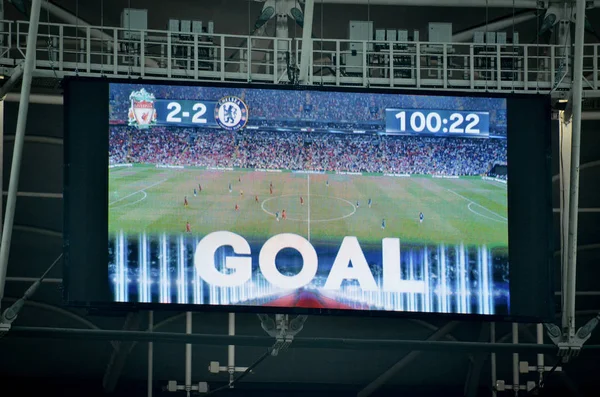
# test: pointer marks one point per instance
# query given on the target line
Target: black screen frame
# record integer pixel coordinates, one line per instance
(86, 109)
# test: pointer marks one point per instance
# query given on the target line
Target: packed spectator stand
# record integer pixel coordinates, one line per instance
(306, 151)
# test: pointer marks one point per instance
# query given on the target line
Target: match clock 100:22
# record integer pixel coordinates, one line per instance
(419, 121)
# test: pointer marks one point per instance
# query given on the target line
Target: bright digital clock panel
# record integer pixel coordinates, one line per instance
(308, 199)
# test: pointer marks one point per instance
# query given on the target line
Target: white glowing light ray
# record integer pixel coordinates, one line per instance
(443, 293)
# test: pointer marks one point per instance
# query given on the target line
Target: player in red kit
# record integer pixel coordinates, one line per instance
(185, 202)
(237, 207)
(199, 188)
(188, 228)
(256, 199)
(271, 189)
(283, 215)
(301, 201)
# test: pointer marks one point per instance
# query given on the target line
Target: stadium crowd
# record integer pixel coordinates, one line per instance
(306, 151)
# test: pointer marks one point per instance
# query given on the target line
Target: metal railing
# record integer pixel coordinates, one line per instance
(156, 54)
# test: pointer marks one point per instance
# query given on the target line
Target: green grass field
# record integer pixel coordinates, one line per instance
(468, 210)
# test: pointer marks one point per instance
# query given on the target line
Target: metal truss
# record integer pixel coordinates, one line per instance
(68, 50)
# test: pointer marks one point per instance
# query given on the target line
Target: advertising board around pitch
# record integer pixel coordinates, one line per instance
(312, 200)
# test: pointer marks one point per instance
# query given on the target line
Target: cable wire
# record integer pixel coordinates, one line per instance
(243, 374)
(50, 45)
(540, 385)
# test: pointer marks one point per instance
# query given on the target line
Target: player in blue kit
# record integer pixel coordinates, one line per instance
(327, 183)
(195, 192)
(229, 187)
(421, 217)
(370, 202)
(277, 216)
(383, 224)
(357, 204)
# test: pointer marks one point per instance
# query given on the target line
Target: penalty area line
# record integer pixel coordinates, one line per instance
(471, 202)
(136, 192)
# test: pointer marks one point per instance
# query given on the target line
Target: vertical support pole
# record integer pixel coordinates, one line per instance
(472, 66)
(540, 356)
(275, 57)
(566, 134)
(188, 354)
(493, 359)
(515, 357)
(61, 47)
(525, 68)
(1, 150)
(231, 348)
(142, 54)
(571, 270)
(15, 169)
(445, 65)
(115, 53)
(88, 50)
(552, 67)
(595, 66)
(498, 66)
(307, 44)
(337, 62)
(391, 69)
(249, 60)
(365, 66)
(169, 55)
(195, 49)
(150, 354)
(418, 64)
(3, 39)
(222, 58)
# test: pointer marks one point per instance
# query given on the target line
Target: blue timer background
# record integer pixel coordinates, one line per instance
(437, 122)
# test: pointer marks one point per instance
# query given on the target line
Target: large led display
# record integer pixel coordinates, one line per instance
(310, 199)
(306, 199)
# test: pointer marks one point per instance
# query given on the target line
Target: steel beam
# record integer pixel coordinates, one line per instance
(43, 99)
(267, 341)
(500, 24)
(476, 366)
(406, 360)
(307, 44)
(443, 3)
(14, 78)
(188, 352)
(121, 351)
(150, 380)
(15, 170)
(571, 265)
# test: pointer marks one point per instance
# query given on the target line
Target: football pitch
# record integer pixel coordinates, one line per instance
(320, 207)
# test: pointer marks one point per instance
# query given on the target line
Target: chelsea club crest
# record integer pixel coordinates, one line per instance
(231, 113)
(142, 113)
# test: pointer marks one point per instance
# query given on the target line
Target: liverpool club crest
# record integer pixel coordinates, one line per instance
(142, 113)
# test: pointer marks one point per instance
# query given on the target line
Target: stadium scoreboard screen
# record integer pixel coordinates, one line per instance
(267, 198)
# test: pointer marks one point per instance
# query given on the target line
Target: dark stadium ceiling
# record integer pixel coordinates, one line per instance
(75, 367)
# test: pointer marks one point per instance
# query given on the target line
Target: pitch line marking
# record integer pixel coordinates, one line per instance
(262, 206)
(471, 202)
(485, 216)
(138, 191)
(135, 202)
